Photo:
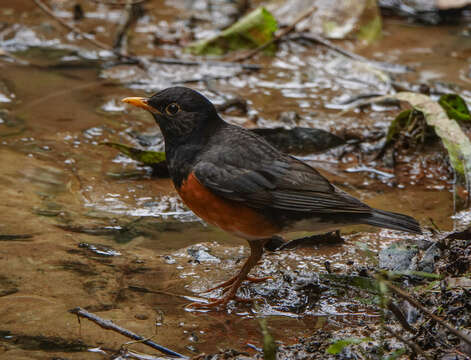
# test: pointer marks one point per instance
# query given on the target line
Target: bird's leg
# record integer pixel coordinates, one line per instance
(256, 251)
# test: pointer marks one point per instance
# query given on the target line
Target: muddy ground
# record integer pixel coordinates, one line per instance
(82, 225)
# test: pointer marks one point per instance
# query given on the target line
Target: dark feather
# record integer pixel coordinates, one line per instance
(394, 221)
(264, 178)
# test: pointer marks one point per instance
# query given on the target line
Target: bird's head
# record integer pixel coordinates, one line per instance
(179, 111)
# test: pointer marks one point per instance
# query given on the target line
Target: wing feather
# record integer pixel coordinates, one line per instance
(286, 185)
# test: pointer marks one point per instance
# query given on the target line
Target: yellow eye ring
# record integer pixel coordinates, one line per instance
(172, 108)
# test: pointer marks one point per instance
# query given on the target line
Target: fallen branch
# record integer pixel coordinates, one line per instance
(401, 293)
(394, 68)
(416, 348)
(109, 325)
(278, 36)
(73, 28)
(172, 61)
(400, 317)
(16, 237)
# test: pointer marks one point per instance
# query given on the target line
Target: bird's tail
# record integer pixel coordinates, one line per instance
(393, 221)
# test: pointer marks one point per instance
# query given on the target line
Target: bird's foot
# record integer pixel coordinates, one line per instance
(229, 290)
(226, 284)
(230, 286)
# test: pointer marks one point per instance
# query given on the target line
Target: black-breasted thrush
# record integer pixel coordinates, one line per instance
(234, 179)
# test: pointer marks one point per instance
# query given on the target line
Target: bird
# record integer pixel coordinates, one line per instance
(234, 179)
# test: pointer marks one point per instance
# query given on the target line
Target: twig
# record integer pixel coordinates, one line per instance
(135, 59)
(73, 28)
(394, 68)
(400, 317)
(6, 54)
(15, 237)
(278, 36)
(416, 348)
(170, 61)
(109, 325)
(401, 293)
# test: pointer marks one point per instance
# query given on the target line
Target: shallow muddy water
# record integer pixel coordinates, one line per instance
(81, 225)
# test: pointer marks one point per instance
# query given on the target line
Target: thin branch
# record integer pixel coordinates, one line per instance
(401, 293)
(278, 36)
(416, 348)
(109, 325)
(394, 68)
(400, 317)
(73, 28)
(16, 237)
(171, 61)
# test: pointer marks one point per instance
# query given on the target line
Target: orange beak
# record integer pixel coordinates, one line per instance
(142, 103)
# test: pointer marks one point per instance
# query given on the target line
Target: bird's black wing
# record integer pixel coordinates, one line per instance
(262, 177)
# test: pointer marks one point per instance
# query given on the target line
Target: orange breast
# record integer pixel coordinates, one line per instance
(230, 216)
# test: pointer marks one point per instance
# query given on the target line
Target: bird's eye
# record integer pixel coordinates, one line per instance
(172, 108)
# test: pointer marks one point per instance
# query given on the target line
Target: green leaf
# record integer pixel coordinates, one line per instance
(399, 123)
(371, 29)
(337, 346)
(455, 107)
(251, 31)
(453, 138)
(422, 274)
(143, 156)
(361, 282)
(269, 346)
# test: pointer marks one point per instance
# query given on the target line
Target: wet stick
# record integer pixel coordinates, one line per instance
(401, 293)
(73, 28)
(16, 237)
(109, 325)
(389, 67)
(416, 348)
